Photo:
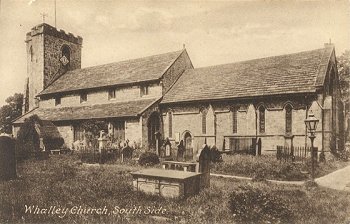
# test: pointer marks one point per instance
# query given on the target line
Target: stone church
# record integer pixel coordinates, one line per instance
(230, 105)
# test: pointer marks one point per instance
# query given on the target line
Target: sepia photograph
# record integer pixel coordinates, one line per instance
(175, 111)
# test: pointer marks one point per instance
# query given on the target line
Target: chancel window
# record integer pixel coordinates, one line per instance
(289, 120)
(170, 116)
(262, 121)
(204, 121)
(234, 120)
(83, 97)
(111, 94)
(57, 101)
(143, 90)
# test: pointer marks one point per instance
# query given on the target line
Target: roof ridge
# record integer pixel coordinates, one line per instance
(320, 65)
(127, 60)
(256, 59)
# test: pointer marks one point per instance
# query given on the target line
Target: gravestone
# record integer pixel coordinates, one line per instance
(167, 146)
(180, 151)
(7, 158)
(158, 142)
(203, 159)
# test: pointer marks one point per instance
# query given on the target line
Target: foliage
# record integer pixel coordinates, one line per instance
(52, 143)
(127, 152)
(28, 138)
(343, 64)
(344, 75)
(343, 155)
(268, 167)
(215, 155)
(249, 204)
(62, 181)
(94, 126)
(259, 167)
(10, 111)
(148, 159)
(95, 156)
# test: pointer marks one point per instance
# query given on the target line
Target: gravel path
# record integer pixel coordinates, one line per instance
(339, 180)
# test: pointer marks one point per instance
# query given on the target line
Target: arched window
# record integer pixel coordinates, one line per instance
(262, 119)
(204, 120)
(31, 54)
(65, 55)
(234, 119)
(170, 117)
(288, 109)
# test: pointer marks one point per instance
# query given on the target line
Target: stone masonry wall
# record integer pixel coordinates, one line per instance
(133, 130)
(35, 68)
(188, 118)
(67, 134)
(53, 53)
(123, 94)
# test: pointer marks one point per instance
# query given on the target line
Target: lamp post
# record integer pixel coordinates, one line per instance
(311, 125)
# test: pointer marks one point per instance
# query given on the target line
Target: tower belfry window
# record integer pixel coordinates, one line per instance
(65, 56)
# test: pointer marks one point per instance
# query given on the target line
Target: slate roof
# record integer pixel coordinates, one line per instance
(124, 72)
(110, 110)
(293, 73)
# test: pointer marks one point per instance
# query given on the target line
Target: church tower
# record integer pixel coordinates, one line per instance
(50, 53)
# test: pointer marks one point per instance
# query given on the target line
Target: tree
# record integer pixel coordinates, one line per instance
(10, 111)
(344, 83)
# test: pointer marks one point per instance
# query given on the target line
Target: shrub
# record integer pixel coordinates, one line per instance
(52, 143)
(215, 155)
(148, 159)
(28, 139)
(343, 155)
(127, 152)
(254, 205)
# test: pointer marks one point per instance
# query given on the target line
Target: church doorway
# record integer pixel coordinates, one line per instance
(188, 146)
(153, 128)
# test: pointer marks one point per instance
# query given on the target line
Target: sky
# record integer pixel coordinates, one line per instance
(214, 32)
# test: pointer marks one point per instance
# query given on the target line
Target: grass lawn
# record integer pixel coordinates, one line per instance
(63, 182)
(268, 167)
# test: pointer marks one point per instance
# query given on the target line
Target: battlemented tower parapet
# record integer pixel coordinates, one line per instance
(52, 31)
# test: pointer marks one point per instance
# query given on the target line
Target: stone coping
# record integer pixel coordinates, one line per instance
(170, 174)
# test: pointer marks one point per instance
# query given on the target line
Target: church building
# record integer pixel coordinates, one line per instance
(263, 100)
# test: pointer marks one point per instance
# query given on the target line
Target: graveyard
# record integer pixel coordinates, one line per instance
(107, 183)
(65, 182)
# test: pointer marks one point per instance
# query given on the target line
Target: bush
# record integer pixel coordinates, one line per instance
(148, 159)
(343, 155)
(52, 143)
(127, 152)
(256, 206)
(28, 139)
(260, 167)
(94, 156)
(215, 155)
